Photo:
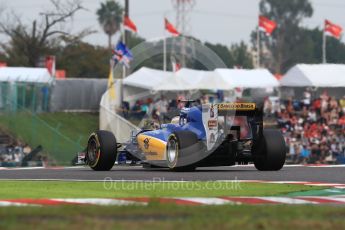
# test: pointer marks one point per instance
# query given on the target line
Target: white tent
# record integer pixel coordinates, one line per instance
(156, 80)
(244, 78)
(147, 78)
(25, 74)
(204, 80)
(189, 79)
(317, 75)
(173, 83)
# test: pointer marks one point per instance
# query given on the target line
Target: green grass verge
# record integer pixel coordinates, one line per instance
(159, 216)
(73, 125)
(156, 216)
(60, 134)
(60, 189)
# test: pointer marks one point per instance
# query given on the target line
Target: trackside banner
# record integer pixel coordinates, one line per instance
(236, 106)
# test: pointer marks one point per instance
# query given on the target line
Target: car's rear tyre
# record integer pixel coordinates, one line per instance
(270, 152)
(181, 147)
(101, 150)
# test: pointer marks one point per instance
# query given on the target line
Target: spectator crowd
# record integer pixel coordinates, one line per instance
(314, 129)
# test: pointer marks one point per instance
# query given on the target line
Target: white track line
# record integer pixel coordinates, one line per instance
(26, 168)
(83, 166)
(325, 166)
(77, 167)
(98, 201)
(10, 203)
(287, 200)
(285, 182)
(206, 201)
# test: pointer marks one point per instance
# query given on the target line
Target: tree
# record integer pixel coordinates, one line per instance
(134, 40)
(110, 18)
(241, 57)
(29, 43)
(236, 56)
(83, 60)
(335, 51)
(3, 57)
(311, 48)
(285, 40)
(223, 52)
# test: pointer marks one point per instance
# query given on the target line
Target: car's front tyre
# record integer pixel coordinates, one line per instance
(101, 150)
(182, 146)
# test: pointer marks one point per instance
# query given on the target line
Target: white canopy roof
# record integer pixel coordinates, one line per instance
(189, 79)
(173, 83)
(25, 74)
(319, 75)
(147, 78)
(200, 79)
(245, 78)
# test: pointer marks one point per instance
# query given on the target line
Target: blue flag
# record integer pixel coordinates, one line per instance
(122, 54)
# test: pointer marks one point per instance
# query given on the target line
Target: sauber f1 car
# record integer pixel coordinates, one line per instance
(201, 136)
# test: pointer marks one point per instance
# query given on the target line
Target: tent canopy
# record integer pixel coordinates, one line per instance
(318, 75)
(173, 83)
(248, 78)
(25, 74)
(189, 79)
(147, 78)
(156, 80)
(200, 79)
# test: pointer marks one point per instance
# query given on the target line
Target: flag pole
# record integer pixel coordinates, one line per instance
(324, 60)
(164, 46)
(164, 54)
(258, 47)
(124, 42)
(123, 67)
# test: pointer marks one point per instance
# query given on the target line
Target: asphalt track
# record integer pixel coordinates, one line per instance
(332, 174)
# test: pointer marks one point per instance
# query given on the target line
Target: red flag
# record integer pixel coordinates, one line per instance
(129, 25)
(267, 25)
(170, 28)
(50, 64)
(332, 29)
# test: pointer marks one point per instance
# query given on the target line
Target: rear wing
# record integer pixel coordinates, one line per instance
(239, 109)
(252, 111)
(211, 112)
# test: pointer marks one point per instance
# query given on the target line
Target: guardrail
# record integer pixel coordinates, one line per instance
(111, 121)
